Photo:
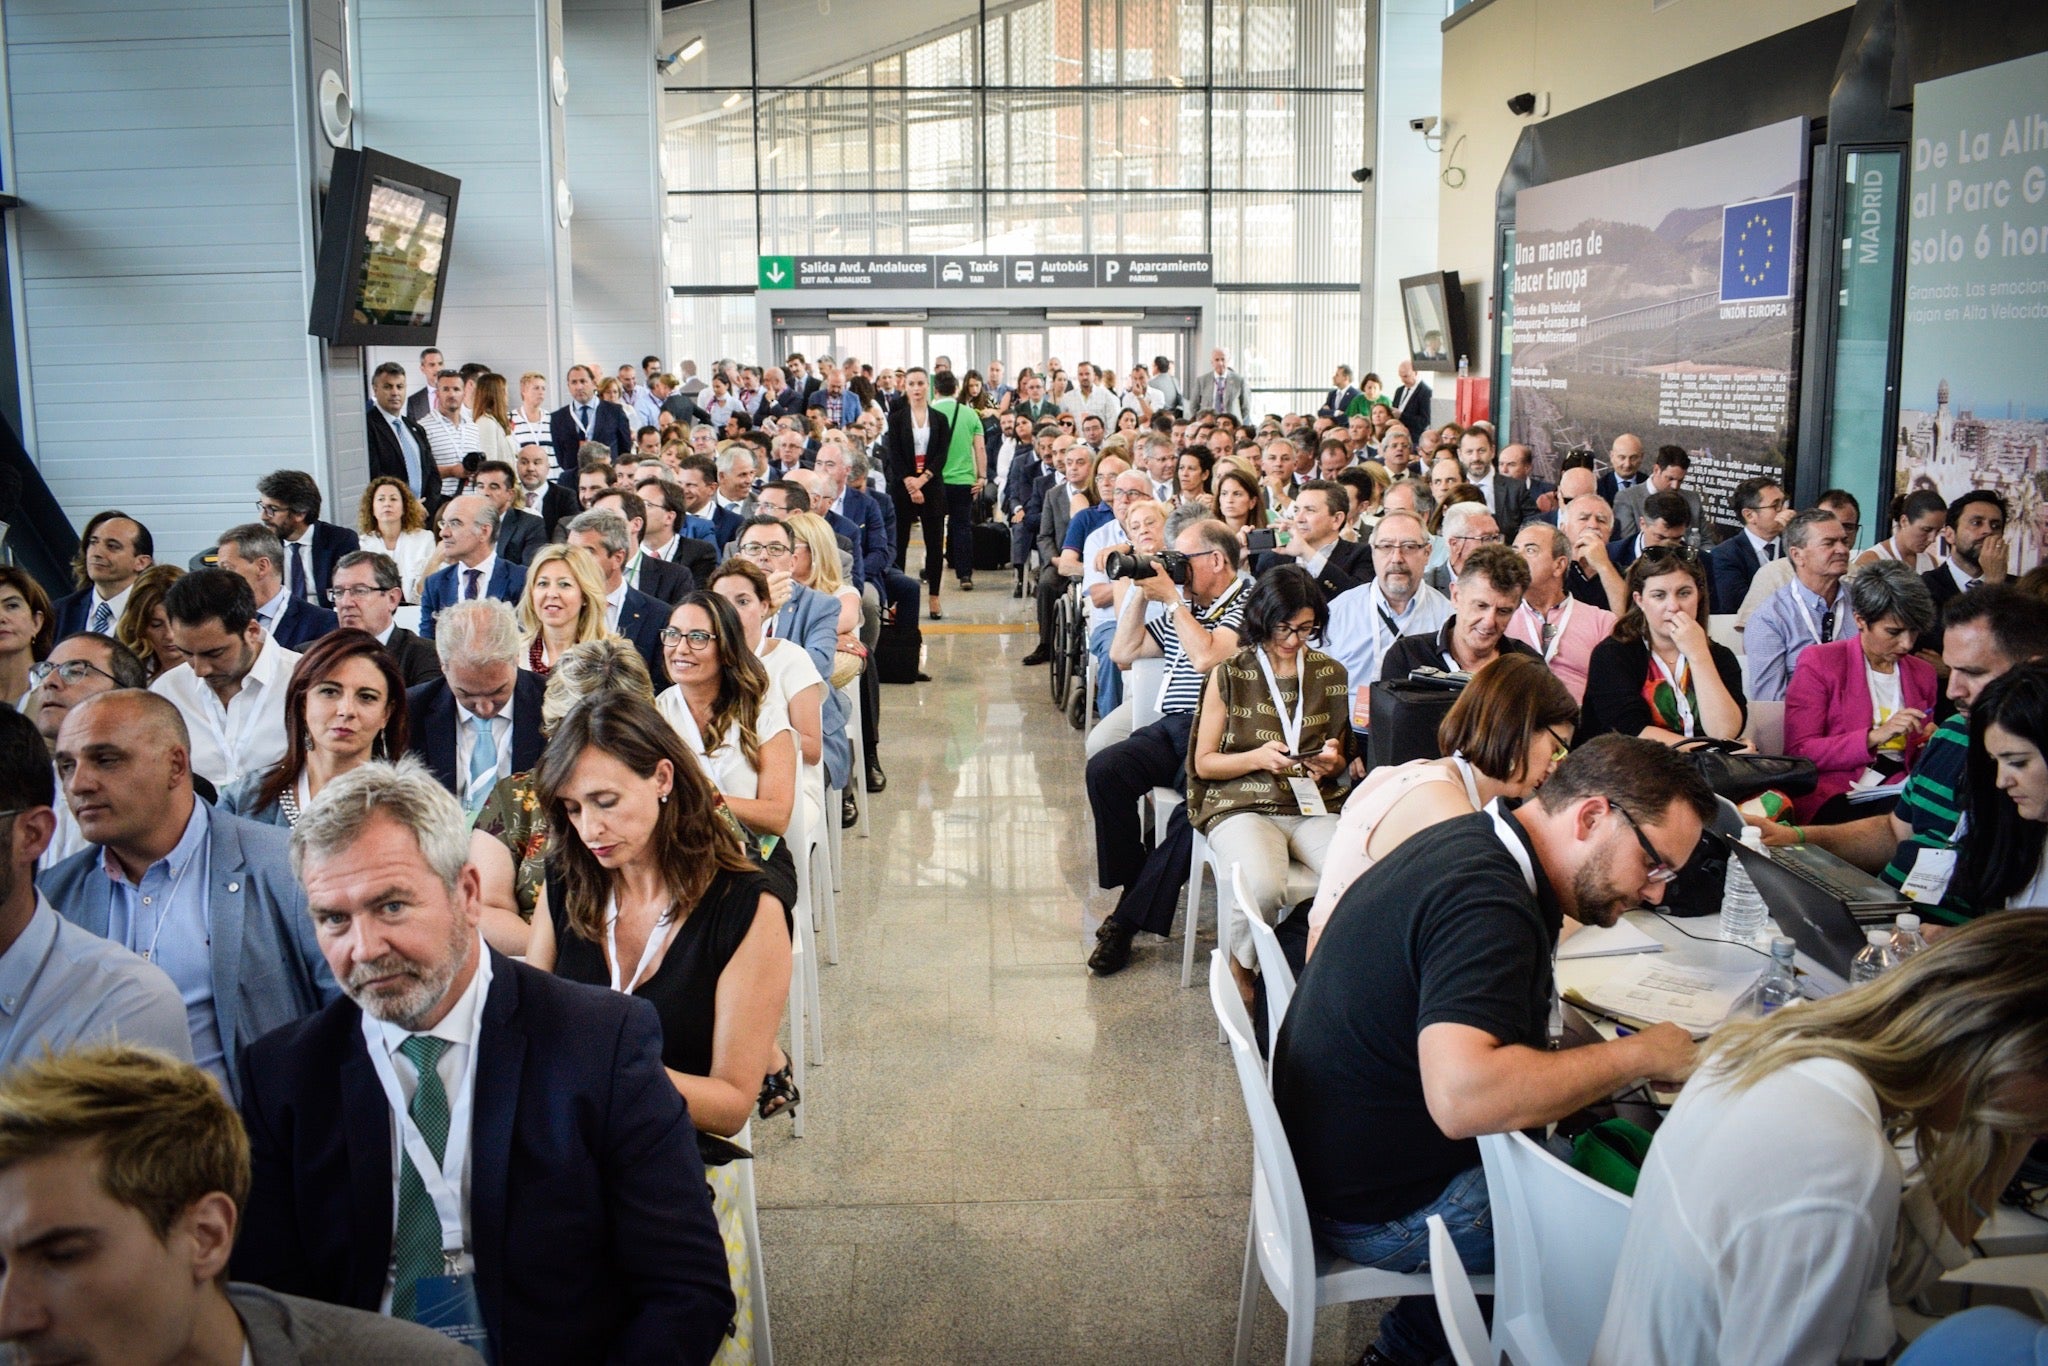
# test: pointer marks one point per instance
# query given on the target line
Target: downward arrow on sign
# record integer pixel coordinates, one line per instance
(776, 273)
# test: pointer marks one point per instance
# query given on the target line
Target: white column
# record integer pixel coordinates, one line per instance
(1402, 235)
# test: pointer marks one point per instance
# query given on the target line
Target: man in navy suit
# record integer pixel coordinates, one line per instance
(1411, 400)
(586, 417)
(399, 447)
(520, 533)
(585, 1228)
(697, 477)
(233, 935)
(1342, 391)
(627, 611)
(253, 551)
(115, 548)
(1731, 565)
(481, 689)
(666, 583)
(288, 502)
(1508, 499)
(673, 535)
(469, 534)
(1625, 466)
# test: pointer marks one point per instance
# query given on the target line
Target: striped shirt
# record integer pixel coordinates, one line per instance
(450, 441)
(536, 433)
(1182, 690)
(1932, 802)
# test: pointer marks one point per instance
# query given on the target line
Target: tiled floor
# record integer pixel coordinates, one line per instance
(1005, 1160)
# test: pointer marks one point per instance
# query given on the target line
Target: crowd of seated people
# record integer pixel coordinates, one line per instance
(482, 809)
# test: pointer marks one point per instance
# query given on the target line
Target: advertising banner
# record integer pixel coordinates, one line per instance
(1973, 371)
(1661, 298)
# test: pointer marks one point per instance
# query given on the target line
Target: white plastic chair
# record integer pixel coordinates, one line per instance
(1273, 965)
(1278, 1244)
(806, 1005)
(750, 1230)
(1557, 1239)
(1464, 1325)
(799, 991)
(818, 872)
(857, 779)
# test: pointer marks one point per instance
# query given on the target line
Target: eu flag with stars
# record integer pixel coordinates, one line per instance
(1756, 249)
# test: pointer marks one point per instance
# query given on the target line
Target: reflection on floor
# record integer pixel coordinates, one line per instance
(1005, 1160)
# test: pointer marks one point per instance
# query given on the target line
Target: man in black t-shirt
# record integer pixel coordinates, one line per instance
(1422, 1021)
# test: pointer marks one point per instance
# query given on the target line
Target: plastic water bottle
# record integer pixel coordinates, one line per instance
(1781, 986)
(1875, 960)
(1743, 913)
(1464, 367)
(1906, 937)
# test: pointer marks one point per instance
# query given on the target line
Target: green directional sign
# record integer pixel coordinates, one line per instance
(778, 272)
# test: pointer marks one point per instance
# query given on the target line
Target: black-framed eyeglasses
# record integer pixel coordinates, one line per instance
(696, 640)
(72, 671)
(359, 592)
(1659, 871)
(1287, 630)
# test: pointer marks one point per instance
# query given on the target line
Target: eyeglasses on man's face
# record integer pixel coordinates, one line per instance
(359, 592)
(765, 550)
(1402, 547)
(1658, 870)
(70, 673)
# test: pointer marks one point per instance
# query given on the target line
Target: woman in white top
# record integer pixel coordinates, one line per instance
(793, 680)
(494, 421)
(1918, 519)
(1773, 1221)
(561, 606)
(723, 708)
(1501, 738)
(392, 521)
(530, 425)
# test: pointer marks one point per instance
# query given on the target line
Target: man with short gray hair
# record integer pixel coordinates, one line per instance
(366, 596)
(1810, 610)
(479, 721)
(458, 1065)
(254, 552)
(469, 543)
(628, 612)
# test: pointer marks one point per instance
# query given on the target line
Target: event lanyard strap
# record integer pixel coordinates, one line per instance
(1677, 683)
(1514, 845)
(442, 1180)
(1290, 726)
(1555, 637)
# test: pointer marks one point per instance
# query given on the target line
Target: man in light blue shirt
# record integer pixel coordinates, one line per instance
(206, 896)
(1807, 611)
(61, 987)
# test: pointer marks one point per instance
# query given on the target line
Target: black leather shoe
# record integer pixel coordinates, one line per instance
(1018, 591)
(1112, 949)
(849, 814)
(877, 780)
(967, 585)
(1037, 657)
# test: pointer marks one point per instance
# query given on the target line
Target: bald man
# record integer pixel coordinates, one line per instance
(206, 896)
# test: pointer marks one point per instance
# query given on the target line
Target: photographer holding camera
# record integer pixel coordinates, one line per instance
(1199, 584)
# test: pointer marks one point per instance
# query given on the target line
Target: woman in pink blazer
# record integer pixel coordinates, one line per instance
(1865, 702)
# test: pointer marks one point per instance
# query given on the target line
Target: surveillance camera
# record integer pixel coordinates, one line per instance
(1362, 174)
(1424, 125)
(1522, 105)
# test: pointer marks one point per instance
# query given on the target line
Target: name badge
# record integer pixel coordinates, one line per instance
(1361, 707)
(449, 1306)
(1307, 796)
(1930, 876)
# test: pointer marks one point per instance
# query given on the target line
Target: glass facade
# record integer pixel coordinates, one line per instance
(1223, 126)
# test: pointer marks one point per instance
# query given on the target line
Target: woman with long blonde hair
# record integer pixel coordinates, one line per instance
(1773, 1220)
(561, 607)
(816, 566)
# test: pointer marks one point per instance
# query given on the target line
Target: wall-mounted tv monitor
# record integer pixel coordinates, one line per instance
(384, 239)
(1434, 306)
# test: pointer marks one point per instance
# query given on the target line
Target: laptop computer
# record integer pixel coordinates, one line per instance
(1825, 904)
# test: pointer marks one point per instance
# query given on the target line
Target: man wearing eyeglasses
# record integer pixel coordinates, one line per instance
(81, 666)
(1432, 1024)
(366, 595)
(1365, 622)
(1467, 526)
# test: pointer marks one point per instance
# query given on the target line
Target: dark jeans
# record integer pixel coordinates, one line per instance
(959, 530)
(1412, 1332)
(1118, 777)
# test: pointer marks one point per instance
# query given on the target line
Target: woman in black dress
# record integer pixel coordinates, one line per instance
(650, 892)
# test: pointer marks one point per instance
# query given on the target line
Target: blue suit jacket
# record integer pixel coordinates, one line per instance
(330, 543)
(74, 614)
(1730, 567)
(610, 425)
(852, 541)
(641, 618)
(874, 549)
(442, 590)
(267, 967)
(721, 528)
(300, 624)
(431, 710)
(811, 619)
(589, 1217)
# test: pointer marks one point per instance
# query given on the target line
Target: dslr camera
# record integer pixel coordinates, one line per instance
(1138, 565)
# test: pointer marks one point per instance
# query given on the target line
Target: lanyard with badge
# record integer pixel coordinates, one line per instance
(1934, 867)
(1306, 797)
(1548, 636)
(1677, 682)
(446, 1303)
(1513, 842)
(1361, 696)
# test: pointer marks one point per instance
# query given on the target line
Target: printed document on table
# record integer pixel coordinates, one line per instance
(1693, 998)
(1596, 941)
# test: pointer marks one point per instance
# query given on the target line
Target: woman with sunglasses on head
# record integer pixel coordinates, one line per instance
(1263, 803)
(344, 706)
(1659, 676)
(1774, 1220)
(1511, 725)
